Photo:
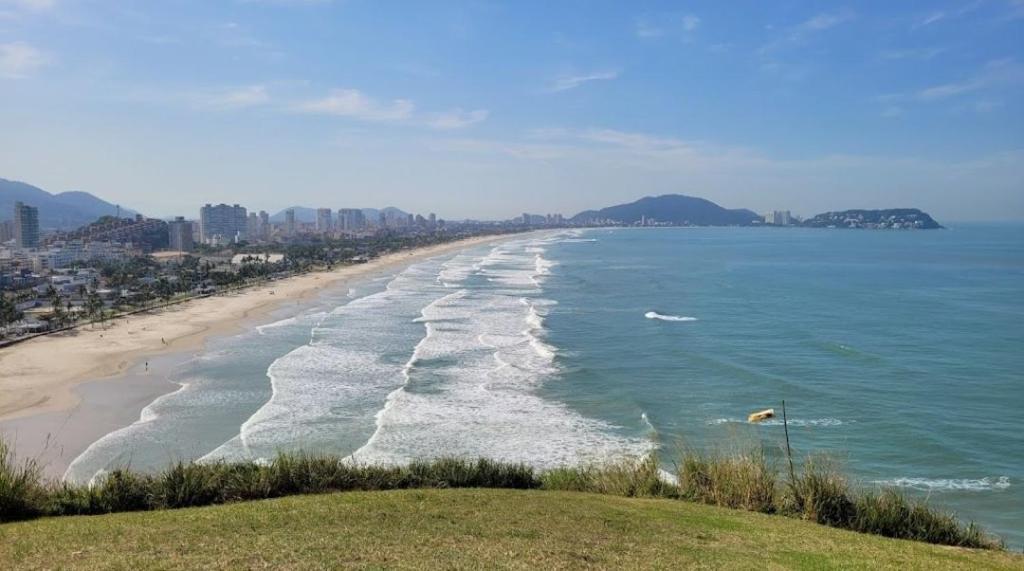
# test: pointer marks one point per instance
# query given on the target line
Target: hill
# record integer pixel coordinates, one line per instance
(63, 211)
(672, 209)
(463, 528)
(896, 218)
(308, 215)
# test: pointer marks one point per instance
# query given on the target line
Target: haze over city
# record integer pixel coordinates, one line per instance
(484, 110)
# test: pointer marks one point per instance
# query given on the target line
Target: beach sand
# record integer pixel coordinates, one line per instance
(60, 393)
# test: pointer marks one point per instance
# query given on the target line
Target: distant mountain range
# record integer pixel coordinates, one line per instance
(673, 209)
(63, 211)
(308, 215)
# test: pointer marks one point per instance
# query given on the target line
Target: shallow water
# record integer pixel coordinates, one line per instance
(896, 352)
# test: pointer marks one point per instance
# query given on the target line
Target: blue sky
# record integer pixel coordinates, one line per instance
(486, 109)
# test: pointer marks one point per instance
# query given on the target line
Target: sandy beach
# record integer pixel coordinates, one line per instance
(50, 381)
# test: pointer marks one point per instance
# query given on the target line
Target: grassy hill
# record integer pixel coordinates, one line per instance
(464, 528)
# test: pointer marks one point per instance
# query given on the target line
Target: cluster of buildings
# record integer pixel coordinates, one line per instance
(778, 218)
(528, 219)
(24, 255)
(221, 224)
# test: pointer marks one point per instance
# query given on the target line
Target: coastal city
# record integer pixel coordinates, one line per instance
(54, 279)
(337, 284)
(51, 279)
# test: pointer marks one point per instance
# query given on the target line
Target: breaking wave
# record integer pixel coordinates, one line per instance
(661, 317)
(949, 484)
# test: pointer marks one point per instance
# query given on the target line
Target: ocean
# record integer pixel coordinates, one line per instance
(900, 355)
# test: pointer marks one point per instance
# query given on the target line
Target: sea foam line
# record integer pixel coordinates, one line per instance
(949, 484)
(661, 317)
(779, 422)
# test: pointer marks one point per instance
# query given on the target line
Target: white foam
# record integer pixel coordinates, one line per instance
(325, 394)
(800, 422)
(656, 315)
(949, 484)
(470, 387)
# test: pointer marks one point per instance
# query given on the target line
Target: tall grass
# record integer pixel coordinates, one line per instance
(631, 478)
(743, 480)
(820, 493)
(21, 491)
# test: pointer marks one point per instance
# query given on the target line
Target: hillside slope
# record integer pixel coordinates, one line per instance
(62, 211)
(671, 208)
(464, 528)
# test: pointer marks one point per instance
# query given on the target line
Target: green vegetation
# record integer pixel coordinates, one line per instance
(467, 528)
(746, 481)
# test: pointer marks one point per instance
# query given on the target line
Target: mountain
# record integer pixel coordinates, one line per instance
(673, 209)
(63, 211)
(896, 218)
(308, 215)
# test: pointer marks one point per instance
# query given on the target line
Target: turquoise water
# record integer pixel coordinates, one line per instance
(898, 353)
(901, 354)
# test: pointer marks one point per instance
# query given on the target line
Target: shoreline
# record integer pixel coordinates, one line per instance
(55, 391)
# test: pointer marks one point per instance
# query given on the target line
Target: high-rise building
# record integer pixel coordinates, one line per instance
(433, 219)
(410, 220)
(323, 220)
(180, 234)
(26, 225)
(289, 222)
(6, 231)
(351, 220)
(264, 226)
(222, 222)
(252, 226)
(778, 218)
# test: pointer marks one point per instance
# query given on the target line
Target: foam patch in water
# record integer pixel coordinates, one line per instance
(660, 317)
(949, 485)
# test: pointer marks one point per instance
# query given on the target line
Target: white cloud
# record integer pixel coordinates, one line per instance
(609, 163)
(29, 5)
(826, 21)
(798, 34)
(647, 30)
(995, 73)
(892, 111)
(353, 103)
(941, 15)
(930, 19)
(914, 53)
(19, 59)
(568, 82)
(236, 98)
(987, 106)
(456, 119)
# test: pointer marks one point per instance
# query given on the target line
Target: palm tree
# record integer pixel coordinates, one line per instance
(94, 306)
(54, 297)
(8, 314)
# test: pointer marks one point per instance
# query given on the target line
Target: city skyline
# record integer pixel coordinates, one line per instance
(481, 111)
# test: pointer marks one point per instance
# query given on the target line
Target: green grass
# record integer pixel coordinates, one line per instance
(740, 480)
(464, 528)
